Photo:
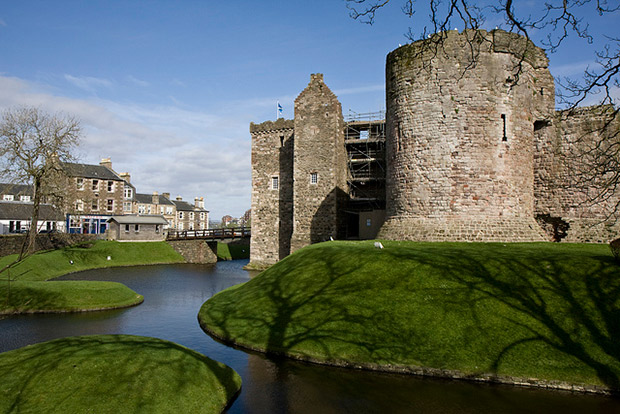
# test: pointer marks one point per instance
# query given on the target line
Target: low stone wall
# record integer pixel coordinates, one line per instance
(195, 251)
(518, 229)
(12, 244)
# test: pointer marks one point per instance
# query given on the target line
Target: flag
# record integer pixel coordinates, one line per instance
(279, 110)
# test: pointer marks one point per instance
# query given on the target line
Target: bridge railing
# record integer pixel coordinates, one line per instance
(213, 234)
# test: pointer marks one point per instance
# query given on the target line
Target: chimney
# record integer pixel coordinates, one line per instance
(106, 162)
(126, 176)
(167, 195)
(179, 198)
(155, 198)
(196, 202)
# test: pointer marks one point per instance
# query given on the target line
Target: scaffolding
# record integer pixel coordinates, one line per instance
(365, 145)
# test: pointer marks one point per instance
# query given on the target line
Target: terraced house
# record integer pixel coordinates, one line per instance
(191, 217)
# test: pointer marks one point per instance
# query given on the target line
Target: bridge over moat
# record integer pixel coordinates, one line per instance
(224, 234)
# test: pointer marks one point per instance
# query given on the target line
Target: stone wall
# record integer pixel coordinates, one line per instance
(576, 199)
(319, 165)
(272, 209)
(12, 244)
(195, 251)
(460, 138)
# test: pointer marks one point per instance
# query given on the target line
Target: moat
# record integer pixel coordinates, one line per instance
(173, 295)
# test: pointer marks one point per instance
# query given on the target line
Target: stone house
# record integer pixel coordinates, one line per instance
(97, 193)
(462, 155)
(146, 204)
(137, 228)
(191, 217)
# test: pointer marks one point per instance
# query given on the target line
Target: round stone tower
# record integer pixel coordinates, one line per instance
(461, 114)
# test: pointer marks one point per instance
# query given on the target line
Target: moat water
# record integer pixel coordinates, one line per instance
(172, 297)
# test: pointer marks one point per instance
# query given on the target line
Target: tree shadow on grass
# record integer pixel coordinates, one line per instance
(569, 304)
(113, 373)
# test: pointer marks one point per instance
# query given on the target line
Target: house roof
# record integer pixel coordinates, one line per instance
(130, 219)
(185, 206)
(16, 189)
(12, 210)
(148, 199)
(91, 171)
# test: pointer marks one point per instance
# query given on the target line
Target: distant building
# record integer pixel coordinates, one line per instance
(191, 217)
(16, 211)
(146, 204)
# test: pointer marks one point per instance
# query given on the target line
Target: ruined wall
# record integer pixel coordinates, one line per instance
(574, 201)
(460, 138)
(272, 208)
(319, 154)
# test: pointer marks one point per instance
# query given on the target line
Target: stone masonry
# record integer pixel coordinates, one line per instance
(474, 152)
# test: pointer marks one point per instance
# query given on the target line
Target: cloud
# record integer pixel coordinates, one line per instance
(571, 69)
(362, 89)
(177, 82)
(88, 83)
(182, 151)
(137, 81)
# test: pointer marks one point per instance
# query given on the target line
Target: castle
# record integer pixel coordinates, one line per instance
(470, 150)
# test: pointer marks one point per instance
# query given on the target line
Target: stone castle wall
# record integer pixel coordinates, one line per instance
(272, 209)
(574, 202)
(460, 139)
(319, 152)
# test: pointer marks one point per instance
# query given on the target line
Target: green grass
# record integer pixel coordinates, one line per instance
(530, 310)
(64, 296)
(29, 292)
(48, 265)
(226, 251)
(113, 374)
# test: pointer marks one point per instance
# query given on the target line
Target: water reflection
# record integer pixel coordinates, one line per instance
(173, 296)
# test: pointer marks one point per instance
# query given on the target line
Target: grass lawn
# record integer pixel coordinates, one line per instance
(226, 251)
(528, 310)
(113, 374)
(29, 292)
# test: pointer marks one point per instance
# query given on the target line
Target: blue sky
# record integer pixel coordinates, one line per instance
(168, 89)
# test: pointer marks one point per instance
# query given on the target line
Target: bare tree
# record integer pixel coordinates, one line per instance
(33, 146)
(554, 22)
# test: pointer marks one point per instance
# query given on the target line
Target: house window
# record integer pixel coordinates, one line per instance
(110, 205)
(127, 206)
(148, 210)
(141, 209)
(368, 222)
(202, 216)
(79, 183)
(191, 225)
(168, 210)
(137, 228)
(128, 192)
(25, 198)
(7, 197)
(110, 186)
(161, 210)
(79, 205)
(180, 226)
(181, 215)
(95, 185)
(191, 215)
(314, 178)
(126, 228)
(275, 182)
(202, 225)
(95, 205)
(157, 228)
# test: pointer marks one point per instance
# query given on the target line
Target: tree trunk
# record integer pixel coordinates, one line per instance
(32, 232)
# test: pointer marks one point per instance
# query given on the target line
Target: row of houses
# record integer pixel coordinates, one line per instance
(96, 194)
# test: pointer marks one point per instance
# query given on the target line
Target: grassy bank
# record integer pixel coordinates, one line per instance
(113, 374)
(29, 292)
(537, 310)
(227, 251)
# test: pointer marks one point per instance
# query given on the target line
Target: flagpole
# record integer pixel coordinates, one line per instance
(277, 110)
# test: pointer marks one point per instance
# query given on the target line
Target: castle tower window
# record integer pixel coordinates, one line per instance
(275, 182)
(281, 140)
(504, 137)
(314, 178)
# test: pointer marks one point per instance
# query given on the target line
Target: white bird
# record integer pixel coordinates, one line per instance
(378, 245)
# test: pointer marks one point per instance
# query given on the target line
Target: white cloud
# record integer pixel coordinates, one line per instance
(186, 152)
(136, 81)
(574, 69)
(88, 83)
